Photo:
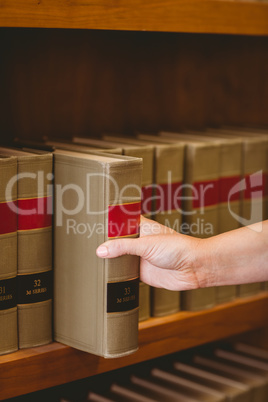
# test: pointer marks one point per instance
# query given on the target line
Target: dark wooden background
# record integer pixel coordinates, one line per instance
(82, 82)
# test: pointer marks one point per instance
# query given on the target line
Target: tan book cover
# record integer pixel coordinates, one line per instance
(146, 153)
(8, 253)
(256, 382)
(168, 176)
(34, 297)
(235, 391)
(96, 300)
(81, 147)
(230, 200)
(201, 202)
(254, 164)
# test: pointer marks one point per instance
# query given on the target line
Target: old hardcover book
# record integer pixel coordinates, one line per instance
(256, 382)
(168, 176)
(84, 147)
(96, 300)
(146, 153)
(8, 253)
(201, 202)
(254, 162)
(235, 391)
(34, 218)
(230, 197)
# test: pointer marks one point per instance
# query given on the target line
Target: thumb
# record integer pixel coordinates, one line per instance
(118, 247)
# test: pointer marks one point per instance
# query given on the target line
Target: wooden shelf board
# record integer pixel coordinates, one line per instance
(199, 16)
(38, 368)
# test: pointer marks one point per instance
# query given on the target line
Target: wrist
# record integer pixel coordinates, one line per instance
(203, 264)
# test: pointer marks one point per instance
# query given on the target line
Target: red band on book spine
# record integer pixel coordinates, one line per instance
(266, 184)
(34, 213)
(255, 186)
(168, 197)
(205, 193)
(226, 185)
(146, 203)
(124, 219)
(8, 217)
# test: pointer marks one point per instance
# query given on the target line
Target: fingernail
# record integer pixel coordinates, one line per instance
(102, 251)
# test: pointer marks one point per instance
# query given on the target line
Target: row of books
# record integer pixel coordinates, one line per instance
(96, 191)
(200, 184)
(223, 373)
(96, 198)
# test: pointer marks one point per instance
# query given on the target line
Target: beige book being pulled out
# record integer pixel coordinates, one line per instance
(200, 203)
(96, 300)
(137, 151)
(34, 218)
(8, 256)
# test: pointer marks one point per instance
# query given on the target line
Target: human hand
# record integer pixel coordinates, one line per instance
(168, 259)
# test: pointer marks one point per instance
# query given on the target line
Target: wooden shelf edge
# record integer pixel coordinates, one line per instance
(197, 16)
(38, 368)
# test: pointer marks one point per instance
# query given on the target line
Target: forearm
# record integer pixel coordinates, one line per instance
(236, 257)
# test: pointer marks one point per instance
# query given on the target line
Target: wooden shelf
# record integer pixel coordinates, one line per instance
(200, 16)
(34, 369)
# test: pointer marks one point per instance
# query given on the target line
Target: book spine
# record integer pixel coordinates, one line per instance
(169, 164)
(8, 260)
(254, 164)
(121, 313)
(201, 209)
(147, 155)
(34, 250)
(229, 200)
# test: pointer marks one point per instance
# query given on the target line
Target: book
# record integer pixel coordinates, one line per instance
(230, 201)
(8, 253)
(254, 160)
(81, 143)
(168, 176)
(96, 300)
(201, 201)
(234, 390)
(34, 219)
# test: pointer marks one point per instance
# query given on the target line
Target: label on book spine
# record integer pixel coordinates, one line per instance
(8, 293)
(122, 296)
(34, 288)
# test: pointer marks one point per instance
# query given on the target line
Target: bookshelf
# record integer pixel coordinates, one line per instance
(54, 364)
(203, 63)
